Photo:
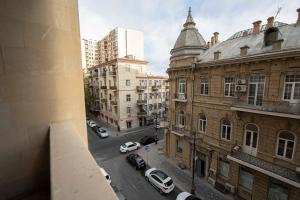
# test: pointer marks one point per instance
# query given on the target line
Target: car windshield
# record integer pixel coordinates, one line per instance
(169, 183)
(192, 197)
(124, 146)
(139, 160)
(102, 131)
(161, 174)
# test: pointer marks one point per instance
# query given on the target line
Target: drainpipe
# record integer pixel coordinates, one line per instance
(191, 129)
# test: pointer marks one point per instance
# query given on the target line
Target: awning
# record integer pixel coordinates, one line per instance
(281, 173)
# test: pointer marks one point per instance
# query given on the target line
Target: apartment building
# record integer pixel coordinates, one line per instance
(90, 53)
(240, 100)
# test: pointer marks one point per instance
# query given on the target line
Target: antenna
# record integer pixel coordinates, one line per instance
(277, 13)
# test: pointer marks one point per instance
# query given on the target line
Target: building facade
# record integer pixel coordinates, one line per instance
(240, 99)
(90, 53)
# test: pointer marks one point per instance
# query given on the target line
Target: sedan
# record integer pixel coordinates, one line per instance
(186, 196)
(129, 146)
(148, 140)
(135, 160)
(102, 133)
(91, 123)
(160, 180)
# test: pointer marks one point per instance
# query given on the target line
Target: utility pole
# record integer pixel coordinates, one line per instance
(193, 188)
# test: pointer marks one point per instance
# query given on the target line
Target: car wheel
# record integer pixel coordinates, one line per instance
(160, 191)
(147, 179)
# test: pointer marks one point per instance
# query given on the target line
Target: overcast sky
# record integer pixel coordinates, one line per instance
(162, 20)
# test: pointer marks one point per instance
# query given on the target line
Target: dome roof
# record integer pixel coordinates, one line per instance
(190, 42)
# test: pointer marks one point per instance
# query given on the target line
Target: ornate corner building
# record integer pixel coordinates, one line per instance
(240, 99)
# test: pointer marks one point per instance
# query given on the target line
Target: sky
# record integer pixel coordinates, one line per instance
(161, 20)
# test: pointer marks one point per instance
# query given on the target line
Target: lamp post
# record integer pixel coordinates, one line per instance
(193, 188)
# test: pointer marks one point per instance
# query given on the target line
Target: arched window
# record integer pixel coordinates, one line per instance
(226, 129)
(202, 123)
(285, 144)
(181, 119)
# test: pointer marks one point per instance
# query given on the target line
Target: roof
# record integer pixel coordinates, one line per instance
(189, 41)
(231, 47)
(128, 143)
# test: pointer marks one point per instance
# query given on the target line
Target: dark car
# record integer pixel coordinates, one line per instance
(148, 140)
(135, 160)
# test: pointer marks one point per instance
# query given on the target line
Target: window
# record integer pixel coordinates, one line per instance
(271, 35)
(229, 85)
(245, 178)
(150, 106)
(128, 110)
(256, 90)
(109, 96)
(181, 119)
(179, 145)
(109, 83)
(251, 139)
(285, 144)
(140, 97)
(181, 86)
(127, 82)
(223, 168)
(128, 97)
(202, 123)
(155, 106)
(145, 96)
(226, 130)
(204, 87)
(292, 87)
(278, 190)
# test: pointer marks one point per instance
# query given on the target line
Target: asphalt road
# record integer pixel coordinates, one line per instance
(131, 181)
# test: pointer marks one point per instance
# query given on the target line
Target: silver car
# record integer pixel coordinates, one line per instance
(160, 180)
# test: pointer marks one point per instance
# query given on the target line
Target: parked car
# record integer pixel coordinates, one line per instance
(105, 174)
(186, 196)
(129, 146)
(119, 193)
(95, 128)
(148, 140)
(102, 133)
(160, 180)
(91, 123)
(135, 160)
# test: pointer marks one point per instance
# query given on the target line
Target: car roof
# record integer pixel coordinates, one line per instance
(128, 143)
(162, 175)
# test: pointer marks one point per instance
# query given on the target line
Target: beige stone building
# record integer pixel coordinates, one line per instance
(124, 95)
(240, 99)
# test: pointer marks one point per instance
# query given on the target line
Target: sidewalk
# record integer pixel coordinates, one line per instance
(113, 132)
(181, 178)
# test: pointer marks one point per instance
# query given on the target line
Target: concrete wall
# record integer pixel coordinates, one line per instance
(40, 82)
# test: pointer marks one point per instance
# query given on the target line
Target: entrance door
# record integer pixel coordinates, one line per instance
(141, 121)
(251, 139)
(128, 124)
(200, 168)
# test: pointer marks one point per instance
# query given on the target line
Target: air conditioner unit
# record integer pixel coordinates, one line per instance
(211, 181)
(240, 88)
(229, 187)
(241, 81)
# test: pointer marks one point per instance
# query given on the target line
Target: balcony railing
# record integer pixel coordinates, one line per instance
(156, 87)
(181, 97)
(113, 73)
(104, 87)
(95, 74)
(178, 130)
(274, 108)
(141, 102)
(141, 88)
(142, 114)
(104, 100)
(113, 87)
(70, 159)
(103, 74)
(113, 102)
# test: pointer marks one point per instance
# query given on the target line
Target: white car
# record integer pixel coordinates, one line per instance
(91, 123)
(160, 180)
(186, 196)
(105, 174)
(102, 133)
(129, 146)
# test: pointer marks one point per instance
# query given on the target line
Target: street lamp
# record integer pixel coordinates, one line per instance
(193, 188)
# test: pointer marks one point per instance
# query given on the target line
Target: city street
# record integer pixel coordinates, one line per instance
(124, 176)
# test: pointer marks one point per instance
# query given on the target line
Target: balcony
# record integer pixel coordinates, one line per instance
(142, 113)
(103, 87)
(114, 102)
(156, 87)
(113, 73)
(113, 87)
(72, 167)
(103, 100)
(180, 97)
(141, 102)
(281, 173)
(141, 88)
(167, 87)
(95, 74)
(272, 108)
(103, 74)
(178, 130)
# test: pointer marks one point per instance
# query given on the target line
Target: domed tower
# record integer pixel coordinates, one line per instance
(190, 42)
